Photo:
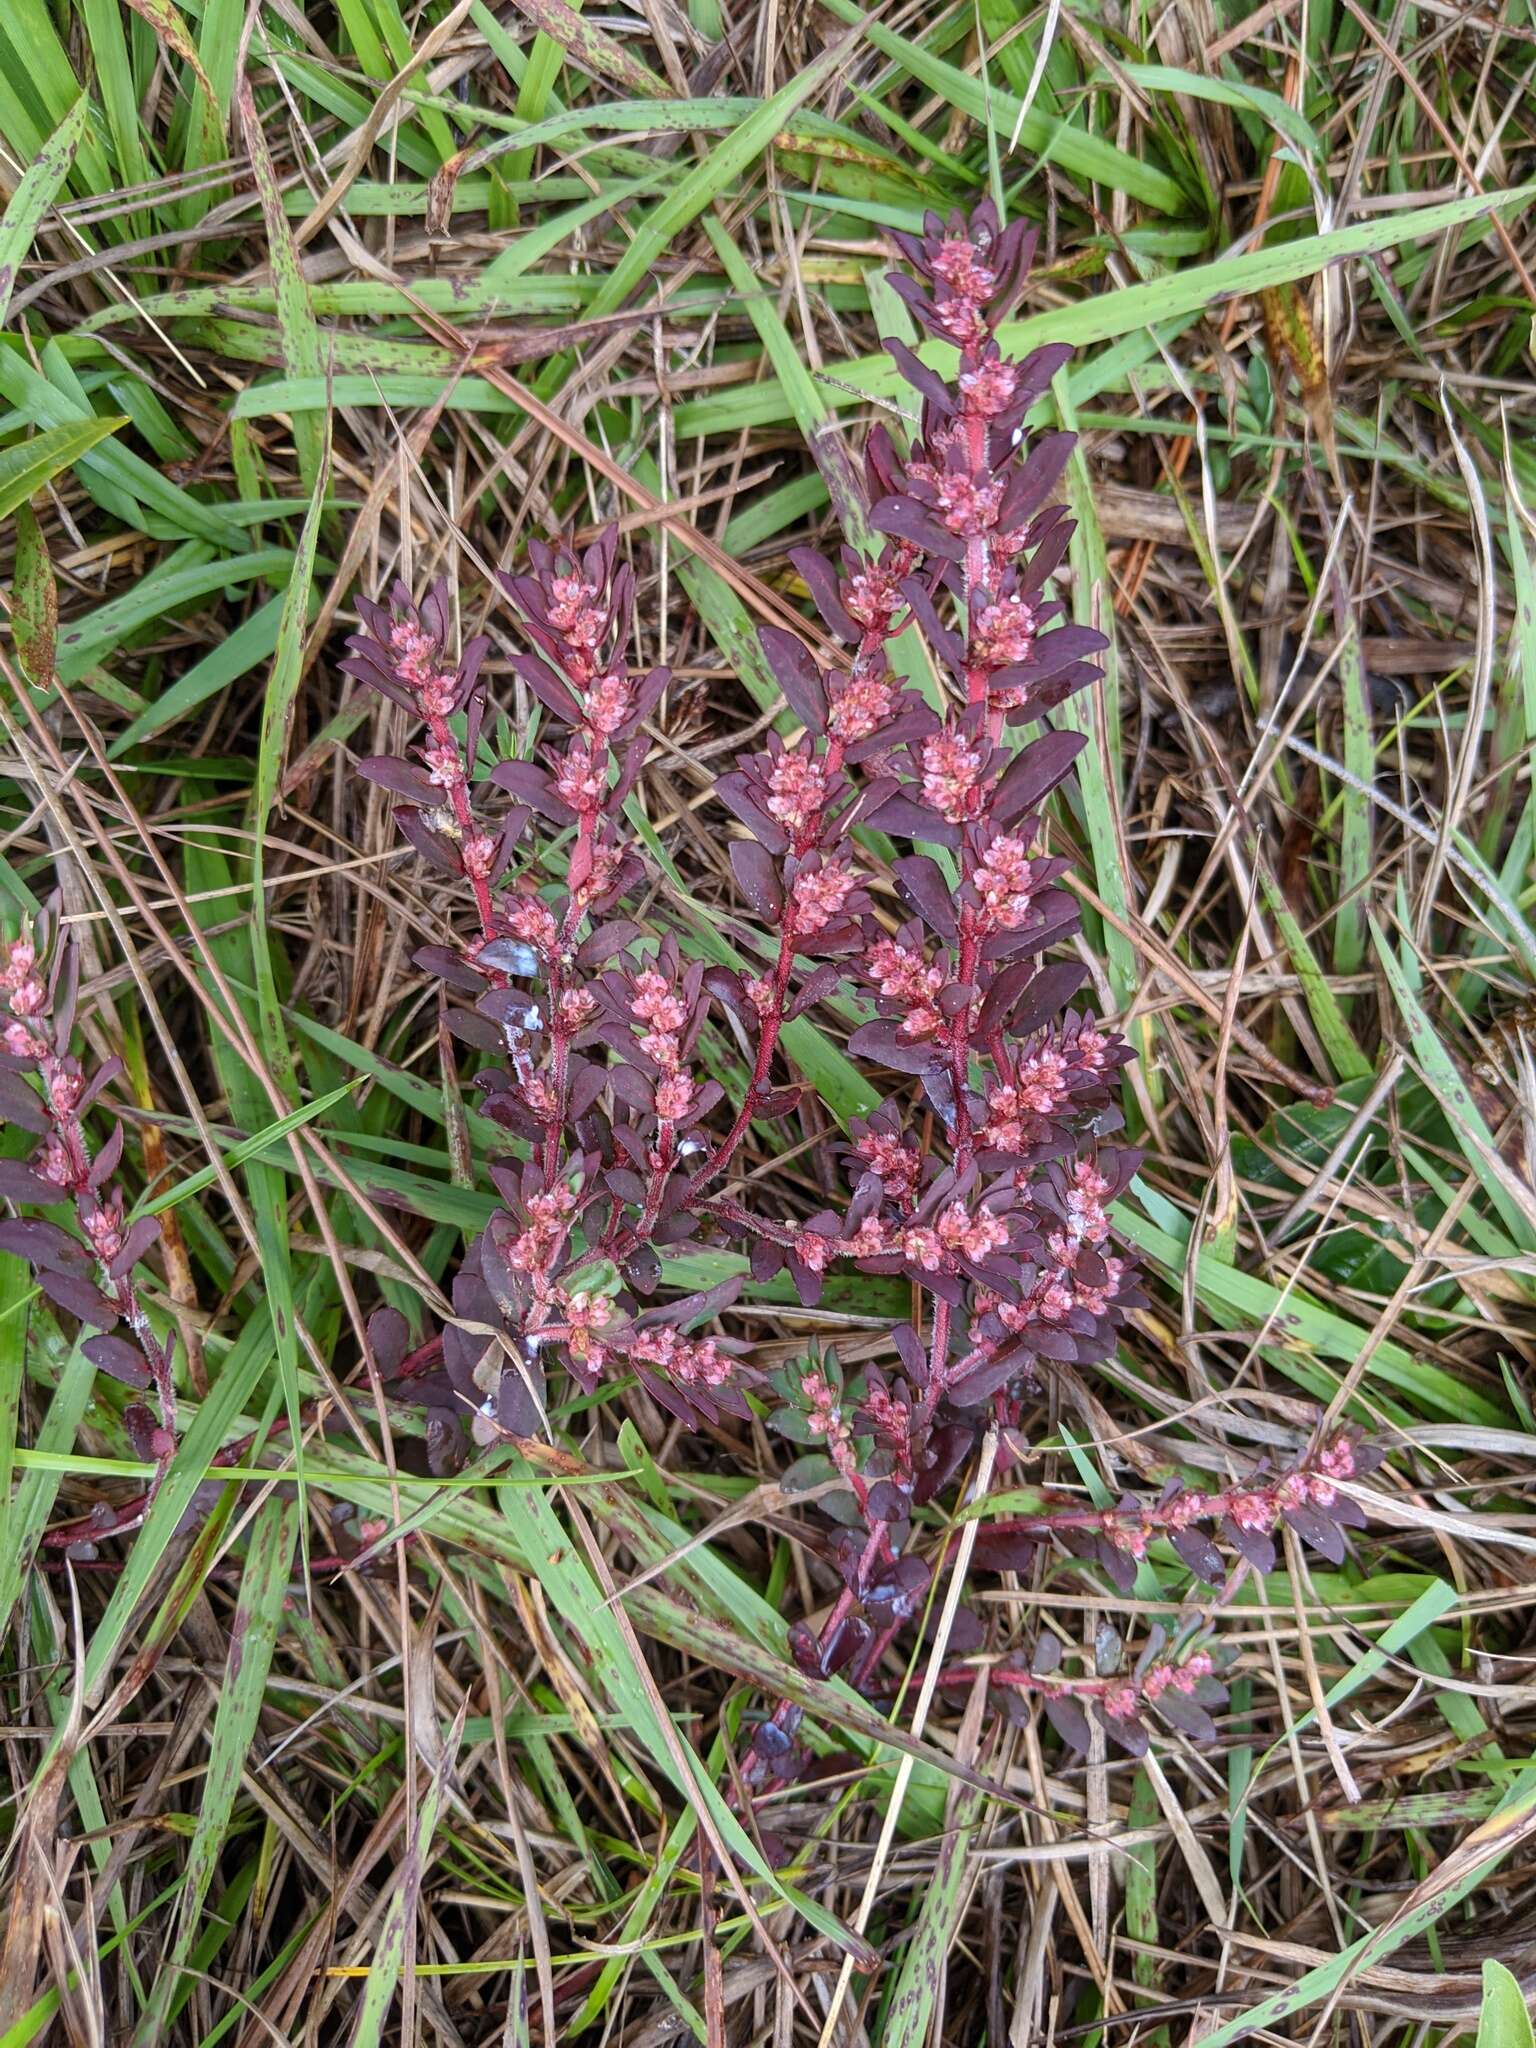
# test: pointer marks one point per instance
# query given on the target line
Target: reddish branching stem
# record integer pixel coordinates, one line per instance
(89, 1273)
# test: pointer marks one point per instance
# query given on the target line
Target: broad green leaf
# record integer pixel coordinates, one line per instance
(1505, 2018)
(28, 465)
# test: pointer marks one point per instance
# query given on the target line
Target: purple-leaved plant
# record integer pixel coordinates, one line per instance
(87, 1271)
(985, 1176)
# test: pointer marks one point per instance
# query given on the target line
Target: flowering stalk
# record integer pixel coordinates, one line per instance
(44, 1090)
(1306, 1498)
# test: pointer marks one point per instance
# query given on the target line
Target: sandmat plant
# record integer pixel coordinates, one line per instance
(984, 1176)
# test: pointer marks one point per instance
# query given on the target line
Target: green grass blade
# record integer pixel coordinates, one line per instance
(25, 468)
(252, 1640)
(34, 195)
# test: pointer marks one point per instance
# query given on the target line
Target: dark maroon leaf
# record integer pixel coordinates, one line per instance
(758, 875)
(449, 967)
(527, 783)
(140, 1237)
(1126, 1730)
(805, 1649)
(822, 582)
(1047, 995)
(1200, 1554)
(1186, 1714)
(1033, 484)
(471, 1029)
(921, 886)
(1035, 771)
(1118, 1564)
(780, 1102)
(400, 778)
(1004, 1553)
(76, 1294)
(913, 821)
(390, 1335)
(19, 1183)
(1252, 1544)
(905, 519)
(797, 675)
(883, 1040)
(144, 1433)
(1051, 653)
(1320, 1530)
(430, 845)
(520, 1399)
(115, 1355)
(1068, 1719)
(1046, 1656)
(105, 1164)
(41, 1243)
(22, 1105)
(919, 376)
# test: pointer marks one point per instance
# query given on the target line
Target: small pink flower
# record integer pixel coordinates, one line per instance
(862, 706)
(890, 1417)
(900, 972)
(64, 1090)
(960, 264)
(691, 1363)
(870, 1241)
(663, 1048)
(989, 389)
(53, 1163)
(578, 783)
(531, 922)
(814, 1250)
(819, 894)
(574, 612)
(871, 597)
(974, 1236)
(797, 791)
(654, 1003)
(1003, 883)
(1337, 1458)
(101, 1228)
(1043, 1081)
(675, 1098)
(444, 766)
(30, 999)
(608, 703)
(897, 1164)
(967, 507)
(1130, 1537)
(1252, 1511)
(924, 1247)
(1005, 631)
(479, 854)
(23, 1044)
(951, 770)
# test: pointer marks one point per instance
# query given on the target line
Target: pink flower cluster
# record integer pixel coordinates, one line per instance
(89, 1275)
